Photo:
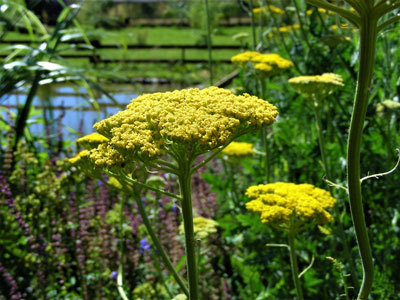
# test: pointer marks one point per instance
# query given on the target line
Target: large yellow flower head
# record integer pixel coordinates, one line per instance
(281, 203)
(238, 149)
(317, 87)
(194, 120)
(202, 227)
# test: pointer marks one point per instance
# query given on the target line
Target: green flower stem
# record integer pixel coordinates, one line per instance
(143, 185)
(155, 240)
(368, 37)
(210, 63)
(342, 234)
(264, 140)
(190, 242)
(321, 142)
(253, 28)
(294, 266)
(120, 275)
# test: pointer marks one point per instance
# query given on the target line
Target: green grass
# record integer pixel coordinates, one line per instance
(189, 73)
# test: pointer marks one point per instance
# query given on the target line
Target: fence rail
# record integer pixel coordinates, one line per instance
(96, 58)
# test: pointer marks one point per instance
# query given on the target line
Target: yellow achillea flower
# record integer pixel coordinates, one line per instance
(202, 227)
(277, 203)
(114, 183)
(238, 149)
(318, 86)
(78, 157)
(267, 64)
(266, 9)
(199, 120)
(245, 57)
(92, 140)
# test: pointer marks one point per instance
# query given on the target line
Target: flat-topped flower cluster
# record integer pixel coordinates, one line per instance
(239, 149)
(198, 120)
(318, 86)
(203, 227)
(278, 202)
(268, 64)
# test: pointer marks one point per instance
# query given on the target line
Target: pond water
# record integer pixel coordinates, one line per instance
(71, 107)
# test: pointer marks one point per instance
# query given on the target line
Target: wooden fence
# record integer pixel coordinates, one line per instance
(95, 58)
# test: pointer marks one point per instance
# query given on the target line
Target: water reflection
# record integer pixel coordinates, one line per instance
(70, 107)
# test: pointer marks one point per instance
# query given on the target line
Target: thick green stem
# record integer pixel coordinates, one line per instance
(210, 64)
(342, 234)
(294, 266)
(190, 242)
(157, 244)
(368, 37)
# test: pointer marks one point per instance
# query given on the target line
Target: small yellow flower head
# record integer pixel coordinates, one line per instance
(277, 63)
(264, 10)
(199, 120)
(79, 157)
(284, 29)
(278, 202)
(238, 149)
(112, 181)
(92, 140)
(266, 64)
(317, 87)
(202, 227)
(180, 297)
(245, 57)
(386, 107)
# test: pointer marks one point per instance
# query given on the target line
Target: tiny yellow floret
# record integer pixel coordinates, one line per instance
(277, 203)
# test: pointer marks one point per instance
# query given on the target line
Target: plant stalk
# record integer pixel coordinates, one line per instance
(157, 244)
(342, 234)
(210, 63)
(294, 266)
(368, 37)
(190, 242)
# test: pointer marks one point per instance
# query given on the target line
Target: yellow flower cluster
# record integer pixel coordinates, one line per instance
(245, 57)
(78, 157)
(112, 181)
(268, 64)
(278, 202)
(202, 227)
(321, 11)
(287, 29)
(317, 86)
(266, 9)
(197, 119)
(92, 140)
(238, 149)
